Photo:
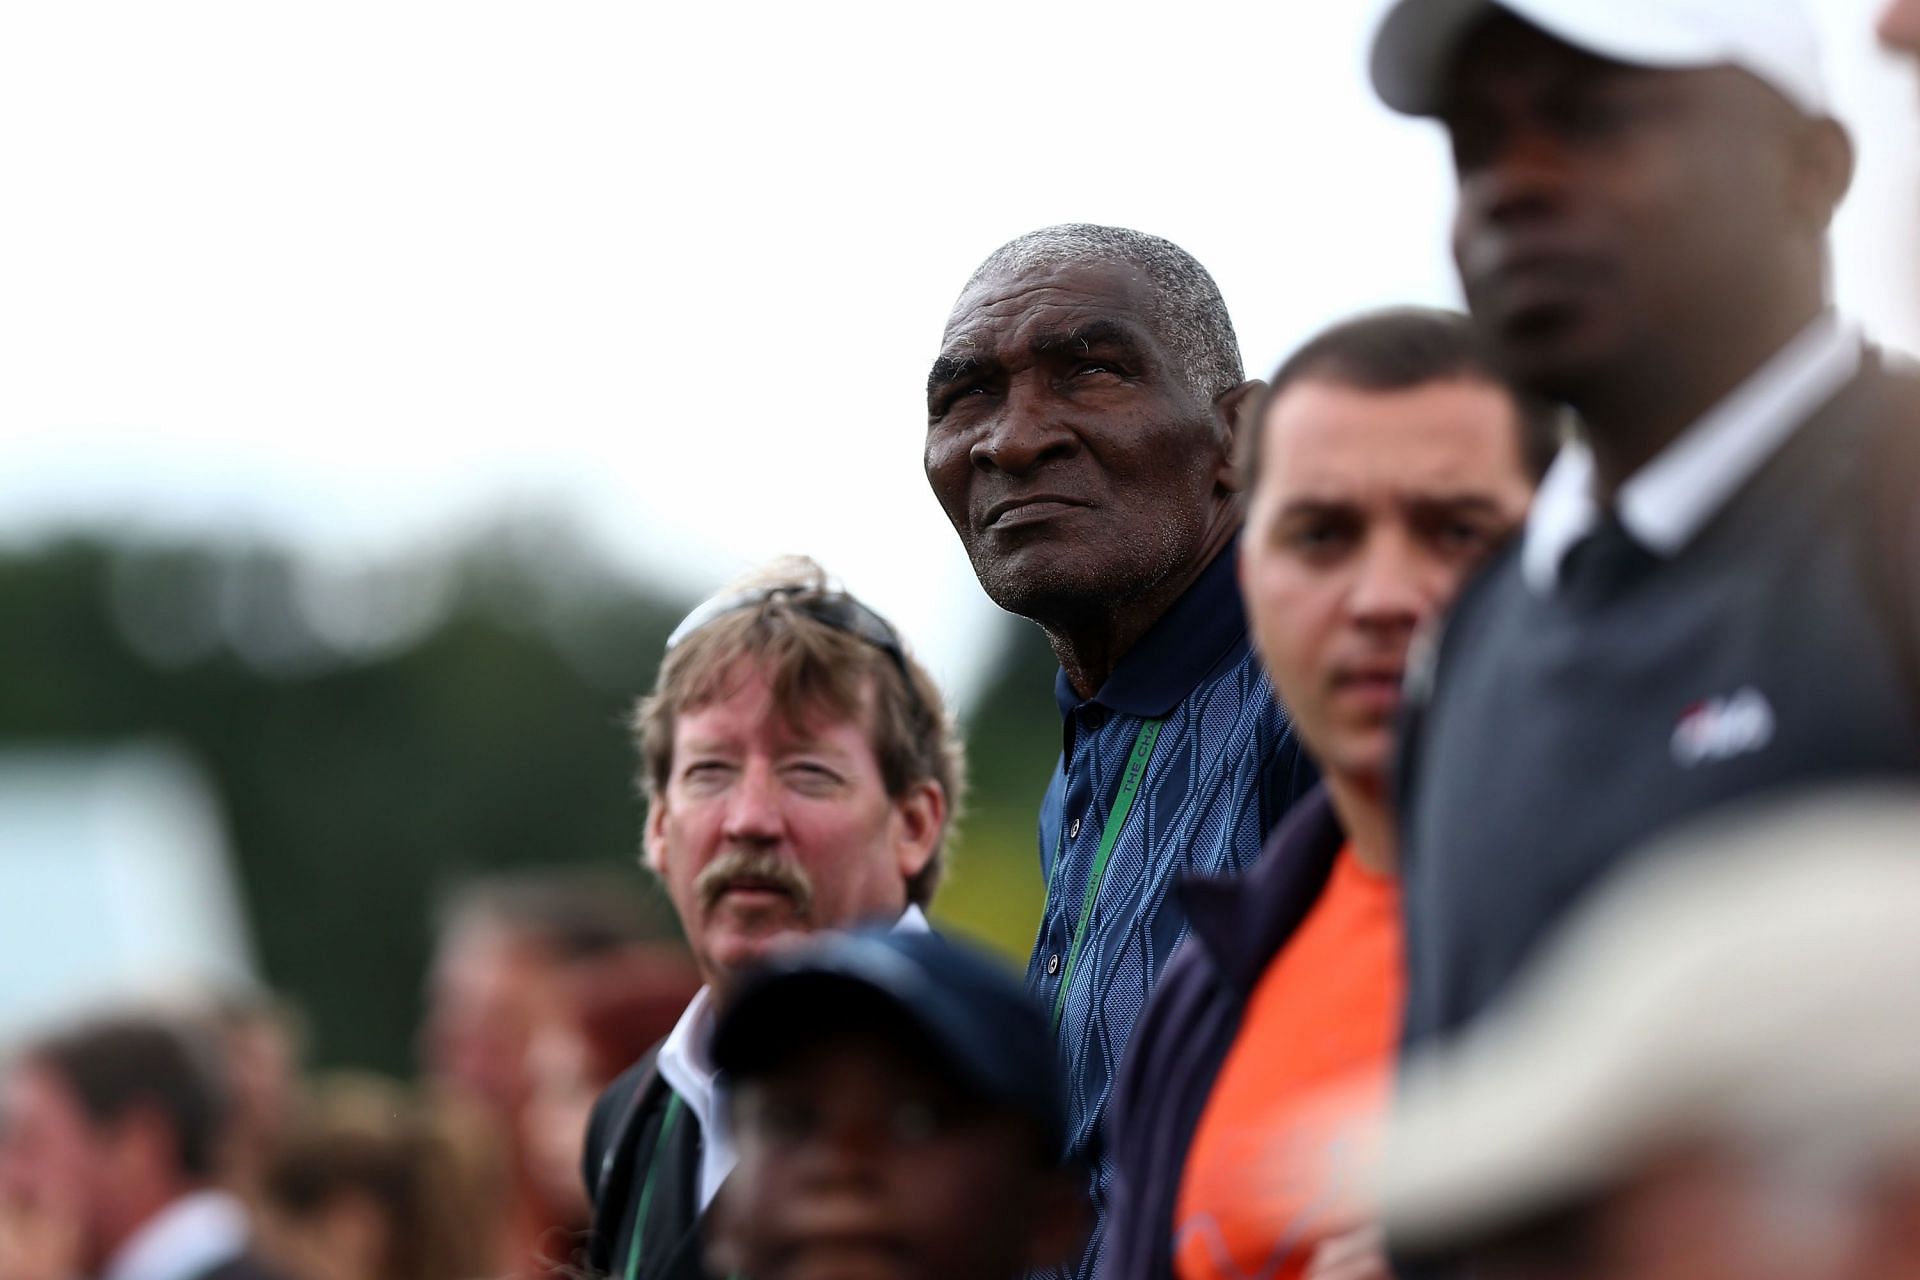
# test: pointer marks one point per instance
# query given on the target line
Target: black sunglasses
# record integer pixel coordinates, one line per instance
(834, 609)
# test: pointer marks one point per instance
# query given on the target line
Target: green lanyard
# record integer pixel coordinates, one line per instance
(674, 1107)
(1122, 806)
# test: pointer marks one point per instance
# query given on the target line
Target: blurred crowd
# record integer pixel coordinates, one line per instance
(199, 1111)
(1482, 842)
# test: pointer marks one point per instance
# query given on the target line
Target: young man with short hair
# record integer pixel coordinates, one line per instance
(117, 1126)
(1384, 464)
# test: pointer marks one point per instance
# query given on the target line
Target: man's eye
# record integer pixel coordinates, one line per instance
(786, 1121)
(706, 774)
(1590, 116)
(809, 775)
(1319, 539)
(915, 1122)
(946, 400)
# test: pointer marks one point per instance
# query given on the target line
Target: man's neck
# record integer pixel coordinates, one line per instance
(1630, 418)
(1360, 802)
(1089, 648)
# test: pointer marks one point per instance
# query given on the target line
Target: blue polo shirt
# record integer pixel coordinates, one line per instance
(1222, 771)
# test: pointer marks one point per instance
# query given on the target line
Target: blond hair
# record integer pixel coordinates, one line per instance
(812, 667)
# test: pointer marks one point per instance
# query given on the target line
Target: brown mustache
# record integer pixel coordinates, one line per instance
(759, 867)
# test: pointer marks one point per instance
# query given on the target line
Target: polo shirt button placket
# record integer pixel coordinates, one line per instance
(1073, 829)
(1053, 964)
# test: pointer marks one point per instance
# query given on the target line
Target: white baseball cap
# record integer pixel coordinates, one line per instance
(1771, 39)
(1756, 986)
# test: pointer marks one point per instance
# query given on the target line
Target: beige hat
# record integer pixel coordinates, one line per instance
(1772, 39)
(1756, 981)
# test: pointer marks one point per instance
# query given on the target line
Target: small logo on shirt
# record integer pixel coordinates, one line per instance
(1722, 728)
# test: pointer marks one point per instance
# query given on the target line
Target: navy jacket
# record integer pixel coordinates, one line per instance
(1239, 925)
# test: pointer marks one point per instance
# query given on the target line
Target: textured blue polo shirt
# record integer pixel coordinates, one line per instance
(1224, 767)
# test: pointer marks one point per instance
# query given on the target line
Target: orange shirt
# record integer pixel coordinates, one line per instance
(1282, 1144)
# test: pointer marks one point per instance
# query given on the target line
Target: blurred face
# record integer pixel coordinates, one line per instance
(1065, 445)
(1607, 213)
(554, 1124)
(489, 985)
(767, 830)
(53, 1163)
(1900, 26)
(1369, 509)
(859, 1161)
(1692, 1217)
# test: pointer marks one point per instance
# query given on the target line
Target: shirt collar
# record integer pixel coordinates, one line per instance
(686, 1063)
(189, 1237)
(1670, 499)
(1178, 651)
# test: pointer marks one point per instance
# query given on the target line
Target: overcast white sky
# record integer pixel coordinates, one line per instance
(355, 274)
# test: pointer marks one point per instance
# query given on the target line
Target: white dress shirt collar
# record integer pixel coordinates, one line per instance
(191, 1236)
(686, 1064)
(1670, 499)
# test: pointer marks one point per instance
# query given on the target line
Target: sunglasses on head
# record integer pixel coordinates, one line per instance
(834, 609)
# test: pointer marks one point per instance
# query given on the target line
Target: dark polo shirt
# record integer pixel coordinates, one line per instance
(1566, 726)
(1221, 770)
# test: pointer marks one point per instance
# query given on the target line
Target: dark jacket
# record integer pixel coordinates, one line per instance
(247, 1266)
(626, 1165)
(1239, 925)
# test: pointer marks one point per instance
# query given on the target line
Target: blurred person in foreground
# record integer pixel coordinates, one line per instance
(111, 1135)
(1080, 421)
(368, 1185)
(1717, 592)
(1713, 1073)
(1385, 462)
(800, 770)
(898, 1107)
(510, 946)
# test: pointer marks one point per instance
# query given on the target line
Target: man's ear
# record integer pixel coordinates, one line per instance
(1231, 410)
(144, 1143)
(655, 840)
(1823, 171)
(1060, 1222)
(922, 816)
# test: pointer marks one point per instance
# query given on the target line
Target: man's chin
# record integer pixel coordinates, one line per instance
(735, 951)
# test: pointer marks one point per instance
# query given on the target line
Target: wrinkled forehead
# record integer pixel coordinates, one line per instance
(1008, 308)
(794, 702)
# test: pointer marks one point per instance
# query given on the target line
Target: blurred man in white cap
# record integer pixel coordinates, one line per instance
(1715, 592)
(1715, 1072)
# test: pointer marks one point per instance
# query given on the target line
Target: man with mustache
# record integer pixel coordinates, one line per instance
(1080, 424)
(800, 769)
(1714, 597)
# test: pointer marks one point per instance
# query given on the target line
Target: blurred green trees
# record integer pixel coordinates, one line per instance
(376, 734)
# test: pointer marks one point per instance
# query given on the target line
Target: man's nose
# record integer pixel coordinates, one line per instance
(1392, 589)
(1025, 434)
(1523, 176)
(846, 1152)
(753, 805)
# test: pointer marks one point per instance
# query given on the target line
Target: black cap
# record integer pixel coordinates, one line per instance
(991, 1038)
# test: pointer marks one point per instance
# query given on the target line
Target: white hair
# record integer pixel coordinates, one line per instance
(1187, 312)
